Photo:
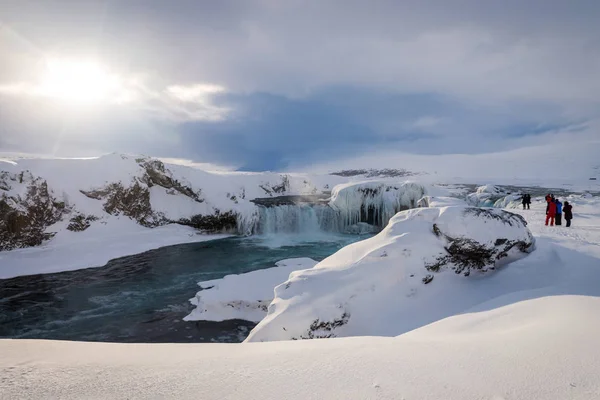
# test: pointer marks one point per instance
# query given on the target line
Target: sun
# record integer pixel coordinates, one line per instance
(78, 82)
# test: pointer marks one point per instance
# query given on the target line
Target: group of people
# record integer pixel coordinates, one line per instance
(554, 209)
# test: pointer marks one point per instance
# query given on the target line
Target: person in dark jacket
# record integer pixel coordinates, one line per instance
(528, 201)
(568, 211)
(524, 201)
(559, 210)
(551, 213)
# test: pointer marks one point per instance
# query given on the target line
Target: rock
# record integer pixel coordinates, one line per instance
(132, 201)
(24, 220)
(280, 188)
(80, 222)
(214, 223)
(157, 174)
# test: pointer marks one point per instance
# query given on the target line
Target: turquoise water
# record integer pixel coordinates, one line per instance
(143, 298)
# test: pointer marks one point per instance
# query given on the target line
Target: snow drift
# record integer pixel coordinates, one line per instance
(372, 287)
(544, 348)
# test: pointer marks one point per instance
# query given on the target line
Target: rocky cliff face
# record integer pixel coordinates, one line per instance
(25, 216)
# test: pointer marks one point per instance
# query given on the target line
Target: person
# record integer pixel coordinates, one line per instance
(568, 211)
(551, 213)
(528, 201)
(524, 201)
(559, 208)
(548, 199)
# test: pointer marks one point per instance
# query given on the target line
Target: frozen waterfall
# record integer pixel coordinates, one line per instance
(373, 202)
(353, 208)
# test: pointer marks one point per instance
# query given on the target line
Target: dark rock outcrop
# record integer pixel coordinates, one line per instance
(132, 201)
(280, 188)
(215, 223)
(325, 329)
(23, 221)
(80, 222)
(157, 175)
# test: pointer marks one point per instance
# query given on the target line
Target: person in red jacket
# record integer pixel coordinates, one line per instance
(551, 212)
(548, 200)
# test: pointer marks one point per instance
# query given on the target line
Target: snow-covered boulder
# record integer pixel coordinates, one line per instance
(244, 296)
(409, 269)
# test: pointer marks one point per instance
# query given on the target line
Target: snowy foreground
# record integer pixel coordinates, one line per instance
(545, 348)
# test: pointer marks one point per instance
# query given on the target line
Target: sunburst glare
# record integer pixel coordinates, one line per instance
(79, 82)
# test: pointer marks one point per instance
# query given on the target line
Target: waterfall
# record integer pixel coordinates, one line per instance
(363, 207)
(296, 218)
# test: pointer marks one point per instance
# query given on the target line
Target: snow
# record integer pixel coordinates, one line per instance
(440, 201)
(375, 287)
(244, 296)
(94, 247)
(544, 348)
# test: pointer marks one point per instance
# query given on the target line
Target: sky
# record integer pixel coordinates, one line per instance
(267, 85)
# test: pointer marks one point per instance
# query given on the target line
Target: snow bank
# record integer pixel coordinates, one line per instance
(95, 247)
(375, 287)
(537, 349)
(244, 296)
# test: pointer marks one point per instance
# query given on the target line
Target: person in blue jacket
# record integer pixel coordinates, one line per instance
(558, 217)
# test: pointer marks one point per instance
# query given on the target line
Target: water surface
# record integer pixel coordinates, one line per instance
(143, 298)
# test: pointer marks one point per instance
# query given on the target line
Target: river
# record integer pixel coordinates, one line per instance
(143, 298)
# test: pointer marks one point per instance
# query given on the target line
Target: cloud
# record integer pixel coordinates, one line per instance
(194, 102)
(426, 123)
(265, 84)
(198, 165)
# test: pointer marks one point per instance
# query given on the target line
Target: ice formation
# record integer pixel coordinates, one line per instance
(357, 208)
(373, 202)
